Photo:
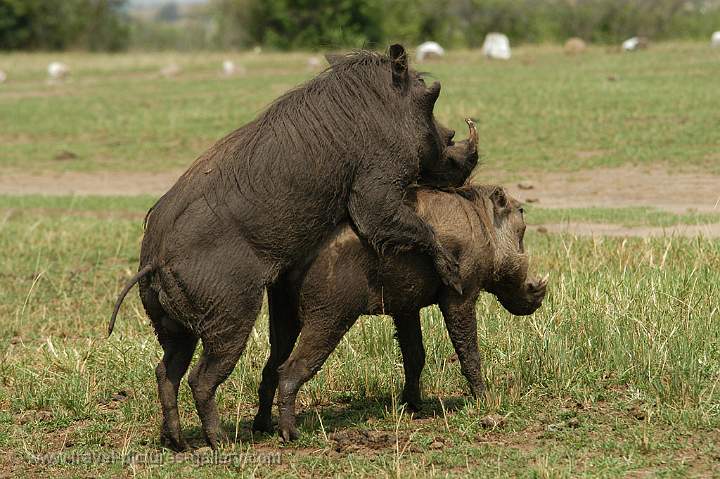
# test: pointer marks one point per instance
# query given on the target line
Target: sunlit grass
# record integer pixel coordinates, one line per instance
(542, 110)
(535, 215)
(628, 216)
(628, 324)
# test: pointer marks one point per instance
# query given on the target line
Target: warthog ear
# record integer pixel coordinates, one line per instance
(399, 65)
(432, 95)
(498, 198)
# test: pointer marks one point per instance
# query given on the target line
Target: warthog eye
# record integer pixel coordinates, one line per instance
(522, 210)
(421, 78)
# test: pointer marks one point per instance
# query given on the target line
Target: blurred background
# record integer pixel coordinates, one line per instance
(116, 25)
(601, 116)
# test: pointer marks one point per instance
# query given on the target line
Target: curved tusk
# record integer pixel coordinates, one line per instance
(473, 133)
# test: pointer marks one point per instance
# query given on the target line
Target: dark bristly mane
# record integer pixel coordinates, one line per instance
(344, 108)
(337, 108)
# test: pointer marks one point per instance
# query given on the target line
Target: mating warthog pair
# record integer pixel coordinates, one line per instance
(256, 210)
(480, 224)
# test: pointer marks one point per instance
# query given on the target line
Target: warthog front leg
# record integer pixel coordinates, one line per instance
(461, 323)
(378, 210)
(319, 337)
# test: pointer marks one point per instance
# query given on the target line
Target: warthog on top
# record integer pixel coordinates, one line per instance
(261, 201)
(483, 225)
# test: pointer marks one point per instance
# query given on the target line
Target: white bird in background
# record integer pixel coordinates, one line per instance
(634, 43)
(429, 49)
(3, 76)
(630, 44)
(497, 46)
(58, 71)
(715, 41)
(228, 68)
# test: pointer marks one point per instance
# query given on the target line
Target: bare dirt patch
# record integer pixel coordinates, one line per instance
(603, 187)
(620, 187)
(364, 441)
(86, 184)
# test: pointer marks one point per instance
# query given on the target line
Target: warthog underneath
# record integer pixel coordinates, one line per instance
(480, 224)
(259, 203)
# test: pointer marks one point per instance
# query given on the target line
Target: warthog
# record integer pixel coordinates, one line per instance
(482, 225)
(260, 202)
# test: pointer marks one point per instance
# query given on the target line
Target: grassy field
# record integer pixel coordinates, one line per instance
(616, 375)
(543, 110)
(137, 206)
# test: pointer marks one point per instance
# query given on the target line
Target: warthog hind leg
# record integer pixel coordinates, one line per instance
(284, 330)
(178, 345)
(409, 337)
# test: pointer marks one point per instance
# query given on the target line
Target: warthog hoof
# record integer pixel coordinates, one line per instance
(174, 444)
(215, 440)
(288, 433)
(413, 400)
(262, 424)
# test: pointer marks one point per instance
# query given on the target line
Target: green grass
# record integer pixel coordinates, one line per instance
(628, 216)
(616, 374)
(68, 204)
(535, 215)
(541, 111)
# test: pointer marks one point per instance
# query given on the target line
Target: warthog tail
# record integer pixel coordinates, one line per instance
(145, 270)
